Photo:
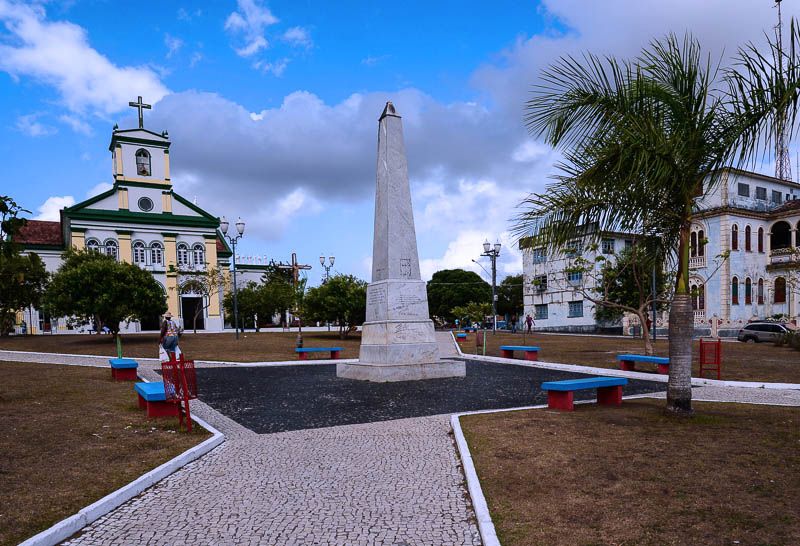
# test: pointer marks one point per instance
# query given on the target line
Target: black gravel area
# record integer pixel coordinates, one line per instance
(278, 399)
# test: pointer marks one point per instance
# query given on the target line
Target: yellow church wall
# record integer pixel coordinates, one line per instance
(211, 261)
(166, 164)
(171, 263)
(166, 201)
(125, 250)
(122, 198)
(78, 240)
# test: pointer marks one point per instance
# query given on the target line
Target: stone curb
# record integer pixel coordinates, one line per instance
(71, 525)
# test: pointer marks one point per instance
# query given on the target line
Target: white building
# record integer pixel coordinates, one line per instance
(755, 217)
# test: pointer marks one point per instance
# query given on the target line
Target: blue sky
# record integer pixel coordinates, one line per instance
(272, 106)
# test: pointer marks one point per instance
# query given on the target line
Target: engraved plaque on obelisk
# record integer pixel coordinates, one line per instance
(398, 342)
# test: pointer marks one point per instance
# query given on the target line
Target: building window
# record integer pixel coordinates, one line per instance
(734, 237)
(735, 291)
(761, 291)
(145, 204)
(698, 296)
(628, 244)
(575, 277)
(575, 309)
(761, 193)
(608, 246)
(780, 290)
(93, 245)
(693, 244)
(198, 256)
(748, 291)
(701, 243)
(744, 190)
(539, 255)
(139, 253)
(747, 239)
(760, 241)
(574, 248)
(776, 197)
(111, 248)
(540, 311)
(540, 283)
(183, 256)
(156, 254)
(142, 162)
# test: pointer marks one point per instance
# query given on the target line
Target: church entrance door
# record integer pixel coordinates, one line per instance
(189, 306)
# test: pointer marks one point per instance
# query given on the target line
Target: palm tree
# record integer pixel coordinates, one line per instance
(642, 139)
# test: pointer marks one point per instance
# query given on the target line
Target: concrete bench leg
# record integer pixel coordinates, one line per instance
(532, 355)
(334, 355)
(609, 396)
(124, 374)
(302, 356)
(663, 369)
(142, 401)
(560, 400)
(162, 409)
(627, 365)
(508, 354)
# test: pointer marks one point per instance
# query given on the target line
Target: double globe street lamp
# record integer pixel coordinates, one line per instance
(492, 253)
(223, 227)
(326, 267)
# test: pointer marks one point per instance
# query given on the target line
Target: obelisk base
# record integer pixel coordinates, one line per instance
(383, 373)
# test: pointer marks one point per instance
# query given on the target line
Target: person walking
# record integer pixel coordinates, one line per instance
(529, 323)
(169, 336)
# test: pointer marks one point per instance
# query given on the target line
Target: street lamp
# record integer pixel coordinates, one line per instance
(492, 253)
(326, 267)
(223, 227)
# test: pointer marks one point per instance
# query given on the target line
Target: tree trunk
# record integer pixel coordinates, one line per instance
(648, 343)
(681, 330)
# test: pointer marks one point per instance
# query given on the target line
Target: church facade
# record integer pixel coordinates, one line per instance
(752, 219)
(143, 221)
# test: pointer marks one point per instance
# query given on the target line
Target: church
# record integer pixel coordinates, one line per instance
(143, 221)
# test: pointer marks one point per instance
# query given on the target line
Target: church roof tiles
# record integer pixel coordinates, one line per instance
(40, 232)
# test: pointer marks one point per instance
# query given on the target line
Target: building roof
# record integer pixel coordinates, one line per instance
(788, 206)
(40, 232)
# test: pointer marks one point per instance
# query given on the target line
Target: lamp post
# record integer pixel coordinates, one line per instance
(223, 227)
(492, 253)
(326, 267)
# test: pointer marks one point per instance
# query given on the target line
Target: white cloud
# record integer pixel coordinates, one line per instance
(29, 125)
(184, 15)
(98, 189)
(77, 124)
(173, 44)
(249, 23)
(49, 210)
(276, 68)
(58, 54)
(195, 58)
(371, 60)
(298, 37)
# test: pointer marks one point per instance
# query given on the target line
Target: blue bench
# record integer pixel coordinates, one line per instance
(628, 362)
(560, 393)
(531, 353)
(153, 398)
(302, 353)
(123, 369)
(461, 337)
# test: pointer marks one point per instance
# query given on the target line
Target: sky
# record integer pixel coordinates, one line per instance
(272, 107)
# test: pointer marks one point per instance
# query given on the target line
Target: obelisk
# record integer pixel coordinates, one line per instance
(398, 342)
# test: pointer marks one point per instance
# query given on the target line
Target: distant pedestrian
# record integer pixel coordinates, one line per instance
(169, 336)
(529, 323)
(514, 324)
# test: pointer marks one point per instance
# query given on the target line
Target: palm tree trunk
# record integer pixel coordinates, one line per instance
(681, 330)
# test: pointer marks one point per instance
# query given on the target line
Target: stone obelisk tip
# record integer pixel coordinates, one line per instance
(389, 110)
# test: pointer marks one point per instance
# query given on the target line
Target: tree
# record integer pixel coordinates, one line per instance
(643, 138)
(509, 296)
(472, 312)
(341, 299)
(451, 288)
(249, 301)
(278, 291)
(22, 278)
(97, 288)
(208, 284)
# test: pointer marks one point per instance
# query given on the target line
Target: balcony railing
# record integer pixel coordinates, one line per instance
(699, 316)
(784, 255)
(696, 262)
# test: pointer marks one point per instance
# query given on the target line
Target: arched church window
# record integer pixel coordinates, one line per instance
(111, 248)
(780, 290)
(747, 247)
(139, 253)
(761, 291)
(735, 291)
(156, 254)
(183, 256)
(93, 245)
(198, 256)
(734, 237)
(693, 244)
(748, 291)
(701, 243)
(761, 239)
(142, 162)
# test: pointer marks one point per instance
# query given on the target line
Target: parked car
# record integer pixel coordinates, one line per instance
(763, 331)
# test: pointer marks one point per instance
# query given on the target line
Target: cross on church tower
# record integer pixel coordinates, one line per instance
(139, 105)
(295, 267)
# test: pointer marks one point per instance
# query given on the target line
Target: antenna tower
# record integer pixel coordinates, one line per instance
(783, 162)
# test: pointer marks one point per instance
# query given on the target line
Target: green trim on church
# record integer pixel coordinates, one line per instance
(120, 216)
(91, 200)
(198, 210)
(154, 184)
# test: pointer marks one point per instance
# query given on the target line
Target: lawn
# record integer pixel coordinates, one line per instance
(631, 475)
(250, 347)
(740, 361)
(70, 436)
